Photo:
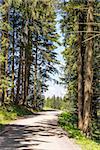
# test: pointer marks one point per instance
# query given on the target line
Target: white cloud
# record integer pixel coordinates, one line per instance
(54, 89)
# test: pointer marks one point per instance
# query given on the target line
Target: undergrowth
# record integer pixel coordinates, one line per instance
(68, 122)
(12, 112)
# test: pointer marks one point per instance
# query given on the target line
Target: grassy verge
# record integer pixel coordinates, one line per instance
(12, 112)
(68, 122)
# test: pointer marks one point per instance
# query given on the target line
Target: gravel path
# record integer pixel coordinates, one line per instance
(37, 132)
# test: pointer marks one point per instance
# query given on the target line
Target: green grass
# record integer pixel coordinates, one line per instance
(48, 108)
(68, 122)
(12, 112)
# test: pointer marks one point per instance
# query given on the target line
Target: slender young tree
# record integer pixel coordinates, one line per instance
(13, 53)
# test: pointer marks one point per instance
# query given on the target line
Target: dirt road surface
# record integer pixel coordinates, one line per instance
(36, 132)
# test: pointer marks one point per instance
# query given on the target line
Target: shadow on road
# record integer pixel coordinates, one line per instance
(20, 137)
(23, 137)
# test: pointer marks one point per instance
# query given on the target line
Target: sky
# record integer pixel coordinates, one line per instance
(56, 89)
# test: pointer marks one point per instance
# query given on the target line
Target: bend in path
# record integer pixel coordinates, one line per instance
(38, 132)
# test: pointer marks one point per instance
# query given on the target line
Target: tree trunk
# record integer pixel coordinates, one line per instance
(26, 66)
(13, 52)
(35, 78)
(40, 83)
(23, 77)
(80, 72)
(25, 80)
(4, 47)
(6, 72)
(88, 69)
(0, 66)
(0, 79)
(19, 77)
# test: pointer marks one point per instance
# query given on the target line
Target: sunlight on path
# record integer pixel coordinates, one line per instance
(37, 132)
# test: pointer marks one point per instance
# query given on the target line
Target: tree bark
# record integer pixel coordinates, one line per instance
(0, 79)
(25, 63)
(19, 77)
(35, 75)
(13, 52)
(80, 72)
(4, 47)
(88, 69)
(23, 77)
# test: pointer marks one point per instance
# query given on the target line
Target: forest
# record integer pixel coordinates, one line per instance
(28, 39)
